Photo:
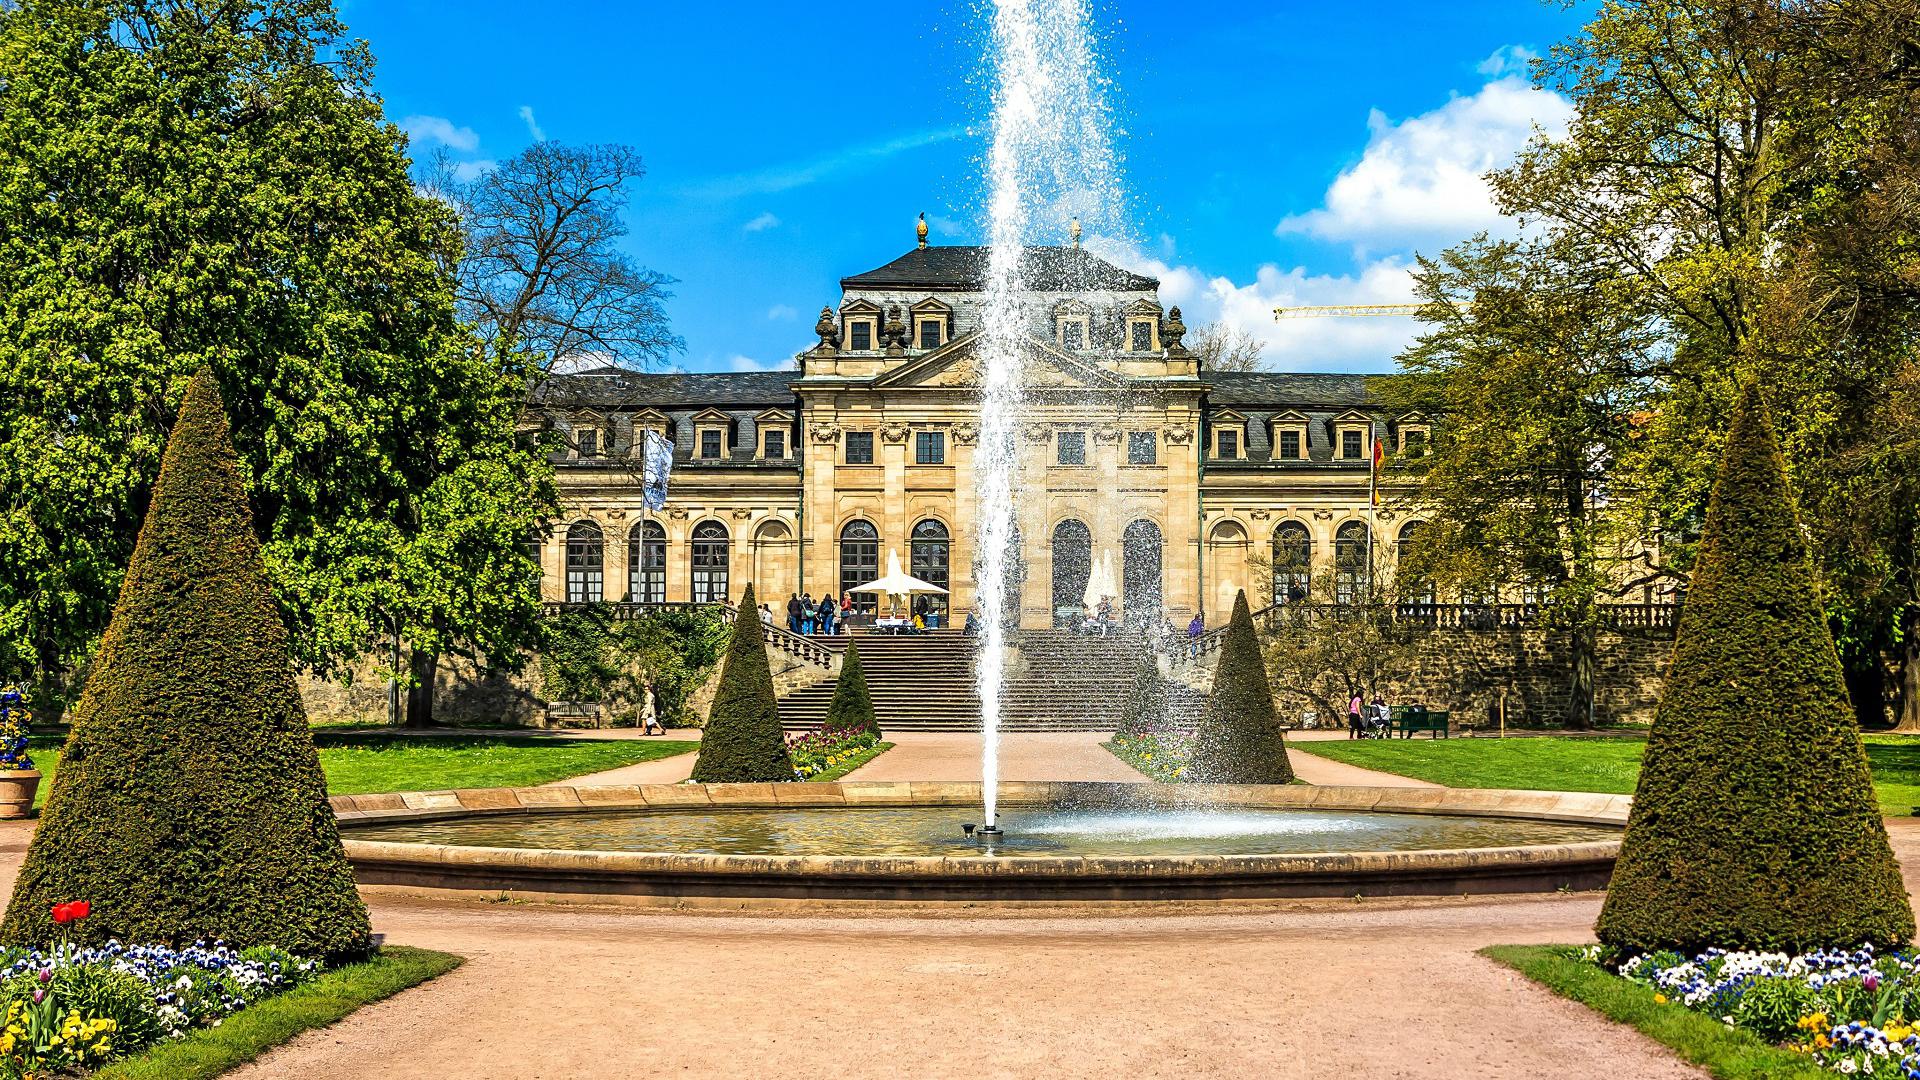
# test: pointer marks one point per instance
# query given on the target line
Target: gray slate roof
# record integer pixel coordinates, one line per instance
(1045, 269)
(1293, 389)
(666, 392)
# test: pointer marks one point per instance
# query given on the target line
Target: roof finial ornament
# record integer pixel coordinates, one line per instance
(920, 230)
(1074, 232)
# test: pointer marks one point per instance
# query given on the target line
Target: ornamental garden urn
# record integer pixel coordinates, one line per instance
(19, 780)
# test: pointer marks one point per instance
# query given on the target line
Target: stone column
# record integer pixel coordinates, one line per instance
(613, 555)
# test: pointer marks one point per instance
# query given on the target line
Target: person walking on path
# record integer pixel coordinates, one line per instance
(1353, 716)
(827, 611)
(793, 612)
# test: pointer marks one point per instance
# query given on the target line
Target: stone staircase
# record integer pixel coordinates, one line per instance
(1056, 681)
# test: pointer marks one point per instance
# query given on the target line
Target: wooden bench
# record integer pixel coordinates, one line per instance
(565, 714)
(1411, 719)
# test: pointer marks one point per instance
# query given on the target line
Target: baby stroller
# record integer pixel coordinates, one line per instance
(1375, 722)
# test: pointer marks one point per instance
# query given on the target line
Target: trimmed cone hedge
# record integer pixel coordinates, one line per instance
(1240, 740)
(1146, 707)
(742, 742)
(852, 707)
(1755, 824)
(189, 801)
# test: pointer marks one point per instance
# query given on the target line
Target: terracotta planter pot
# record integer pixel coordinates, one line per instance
(17, 788)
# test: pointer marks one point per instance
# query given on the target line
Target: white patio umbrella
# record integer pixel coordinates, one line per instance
(1099, 582)
(898, 582)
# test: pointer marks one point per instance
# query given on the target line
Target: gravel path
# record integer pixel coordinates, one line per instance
(940, 755)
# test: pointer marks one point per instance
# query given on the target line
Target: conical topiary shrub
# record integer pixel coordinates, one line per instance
(1240, 740)
(1146, 707)
(852, 707)
(189, 801)
(1755, 824)
(742, 742)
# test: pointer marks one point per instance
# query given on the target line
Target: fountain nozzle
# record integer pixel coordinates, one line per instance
(990, 830)
(967, 828)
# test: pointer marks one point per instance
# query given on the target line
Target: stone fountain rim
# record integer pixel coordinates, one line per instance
(609, 874)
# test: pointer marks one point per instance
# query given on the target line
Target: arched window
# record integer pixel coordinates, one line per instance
(1140, 593)
(860, 563)
(586, 564)
(1072, 565)
(1413, 589)
(1352, 558)
(928, 558)
(647, 563)
(1292, 563)
(712, 552)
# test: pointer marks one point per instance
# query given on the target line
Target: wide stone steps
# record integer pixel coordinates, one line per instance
(1059, 682)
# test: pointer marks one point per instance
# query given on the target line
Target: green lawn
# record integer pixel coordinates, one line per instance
(360, 763)
(1580, 764)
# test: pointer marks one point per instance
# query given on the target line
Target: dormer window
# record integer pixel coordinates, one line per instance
(1143, 334)
(860, 334)
(1413, 433)
(929, 332)
(1072, 332)
(1229, 436)
(587, 441)
(712, 434)
(1289, 437)
(1353, 436)
(773, 444)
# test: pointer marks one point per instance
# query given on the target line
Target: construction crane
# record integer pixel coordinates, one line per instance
(1346, 309)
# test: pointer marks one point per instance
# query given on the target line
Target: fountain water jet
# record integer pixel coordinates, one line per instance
(1049, 147)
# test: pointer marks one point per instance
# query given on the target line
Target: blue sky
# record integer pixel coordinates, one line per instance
(1275, 154)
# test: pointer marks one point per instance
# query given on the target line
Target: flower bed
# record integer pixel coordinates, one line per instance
(77, 1008)
(1162, 756)
(817, 753)
(1855, 1012)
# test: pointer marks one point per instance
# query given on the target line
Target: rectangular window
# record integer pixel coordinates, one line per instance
(776, 444)
(1290, 445)
(1142, 448)
(1072, 447)
(589, 442)
(1140, 337)
(860, 336)
(859, 447)
(930, 448)
(710, 443)
(1073, 334)
(929, 333)
(1350, 444)
(1414, 443)
(1227, 445)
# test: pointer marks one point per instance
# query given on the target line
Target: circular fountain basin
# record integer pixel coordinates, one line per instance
(732, 843)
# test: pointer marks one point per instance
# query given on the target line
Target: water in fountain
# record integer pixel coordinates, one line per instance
(1049, 160)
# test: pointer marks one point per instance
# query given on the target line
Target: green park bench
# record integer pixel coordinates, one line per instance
(1408, 719)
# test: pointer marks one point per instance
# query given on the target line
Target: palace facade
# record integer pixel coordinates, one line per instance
(1194, 483)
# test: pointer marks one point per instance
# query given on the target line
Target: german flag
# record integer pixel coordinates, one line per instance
(1379, 460)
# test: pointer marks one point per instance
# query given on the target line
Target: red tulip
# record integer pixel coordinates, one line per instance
(81, 908)
(62, 914)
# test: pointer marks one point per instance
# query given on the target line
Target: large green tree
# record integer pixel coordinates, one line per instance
(1755, 824)
(1738, 178)
(1539, 373)
(192, 183)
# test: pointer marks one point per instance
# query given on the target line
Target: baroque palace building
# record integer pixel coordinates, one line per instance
(1195, 483)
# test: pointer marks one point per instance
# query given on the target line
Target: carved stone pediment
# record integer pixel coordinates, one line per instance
(678, 513)
(1039, 433)
(742, 515)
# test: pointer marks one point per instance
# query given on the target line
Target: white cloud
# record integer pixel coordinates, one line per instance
(765, 221)
(438, 130)
(1310, 344)
(1507, 60)
(785, 177)
(533, 126)
(779, 312)
(469, 171)
(1421, 180)
(748, 363)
